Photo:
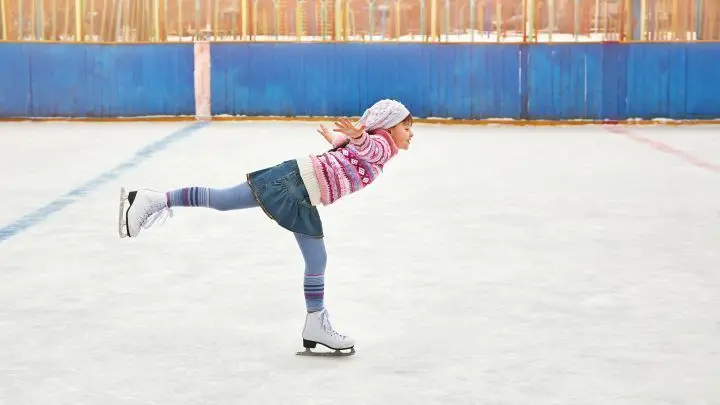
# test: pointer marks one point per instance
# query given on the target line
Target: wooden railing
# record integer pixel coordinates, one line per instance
(359, 20)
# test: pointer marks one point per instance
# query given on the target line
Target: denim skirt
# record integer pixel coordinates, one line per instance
(281, 193)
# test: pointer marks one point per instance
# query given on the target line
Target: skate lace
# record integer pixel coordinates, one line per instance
(153, 216)
(327, 327)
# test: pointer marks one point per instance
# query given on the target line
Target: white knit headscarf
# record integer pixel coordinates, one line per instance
(383, 115)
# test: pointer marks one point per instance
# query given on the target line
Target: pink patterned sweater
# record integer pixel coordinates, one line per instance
(350, 166)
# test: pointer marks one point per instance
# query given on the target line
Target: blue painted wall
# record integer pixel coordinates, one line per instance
(71, 80)
(342, 79)
(564, 82)
(519, 81)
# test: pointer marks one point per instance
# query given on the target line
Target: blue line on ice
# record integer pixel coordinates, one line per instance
(58, 204)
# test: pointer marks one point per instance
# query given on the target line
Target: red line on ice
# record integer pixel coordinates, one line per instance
(657, 145)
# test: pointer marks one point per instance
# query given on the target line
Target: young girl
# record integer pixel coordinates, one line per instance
(289, 193)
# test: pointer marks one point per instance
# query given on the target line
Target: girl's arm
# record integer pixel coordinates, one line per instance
(376, 148)
(333, 139)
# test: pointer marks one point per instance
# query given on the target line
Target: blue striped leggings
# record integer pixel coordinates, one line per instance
(241, 197)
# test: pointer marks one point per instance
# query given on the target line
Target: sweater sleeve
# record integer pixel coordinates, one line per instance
(340, 140)
(375, 148)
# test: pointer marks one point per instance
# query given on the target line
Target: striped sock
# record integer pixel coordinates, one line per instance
(313, 251)
(189, 197)
(314, 286)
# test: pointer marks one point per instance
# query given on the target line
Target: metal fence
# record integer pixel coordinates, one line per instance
(359, 20)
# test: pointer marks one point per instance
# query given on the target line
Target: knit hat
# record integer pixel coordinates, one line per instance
(383, 115)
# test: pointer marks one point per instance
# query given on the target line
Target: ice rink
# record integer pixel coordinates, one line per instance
(488, 265)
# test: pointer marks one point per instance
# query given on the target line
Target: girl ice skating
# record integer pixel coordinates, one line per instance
(289, 194)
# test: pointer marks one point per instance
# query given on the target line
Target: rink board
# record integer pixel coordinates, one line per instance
(95, 80)
(556, 82)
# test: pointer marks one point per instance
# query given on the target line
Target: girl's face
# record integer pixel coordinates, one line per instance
(401, 134)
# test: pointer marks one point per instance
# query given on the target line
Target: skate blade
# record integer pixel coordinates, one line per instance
(334, 353)
(121, 216)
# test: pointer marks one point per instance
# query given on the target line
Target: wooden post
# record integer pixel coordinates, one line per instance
(597, 15)
(148, 18)
(216, 13)
(524, 20)
(480, 19)
(118, 20)
(433, 19)
(683, 17)
(244, 20)
(197, 20)
(128, 18)
(233, 31)
(180, 20)
(606, 13)
(39, 26)
(276, 18)
(4, 19)
(140, 29)
(41, 20)
(32, 19)
(53, 22)
(208, 7)
(67, 19)
(79, 36)
(697, 16)
(298, 19)
(531, 19)
(635, 18)
(255, 18)
(156, 20)
(423, 21)
(623, 20)
(21, 23)
(551, 18)
(447, 20)
(643, 11)
(472, 20)
(576, 19)
(346, 16)
(163, 20)
(397, 18)
(103, 21)
(92, 20)
(498, 18)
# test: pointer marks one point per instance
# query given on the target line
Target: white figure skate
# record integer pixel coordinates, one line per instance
(318, 330)
(141, 209)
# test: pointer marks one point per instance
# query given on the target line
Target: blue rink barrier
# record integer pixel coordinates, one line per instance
(600, 81)
(566, 81)
(95, 80)
(325, 79)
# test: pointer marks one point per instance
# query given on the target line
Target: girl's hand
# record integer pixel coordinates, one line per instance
(346, 127)
(326, 134)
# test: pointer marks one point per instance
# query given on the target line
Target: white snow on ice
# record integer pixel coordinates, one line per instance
(487, 265)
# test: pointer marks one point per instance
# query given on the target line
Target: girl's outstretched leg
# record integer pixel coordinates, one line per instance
(221, 199)
(141, 208)
(317, 321)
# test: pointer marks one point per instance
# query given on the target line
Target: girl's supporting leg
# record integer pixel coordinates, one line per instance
(313, 251)
(318, 328)
(225, 199)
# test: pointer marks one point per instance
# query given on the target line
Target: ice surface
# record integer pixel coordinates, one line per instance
(488, 265)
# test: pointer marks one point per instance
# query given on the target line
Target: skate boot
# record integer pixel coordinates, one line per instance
(318, 330)
(140, 209)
